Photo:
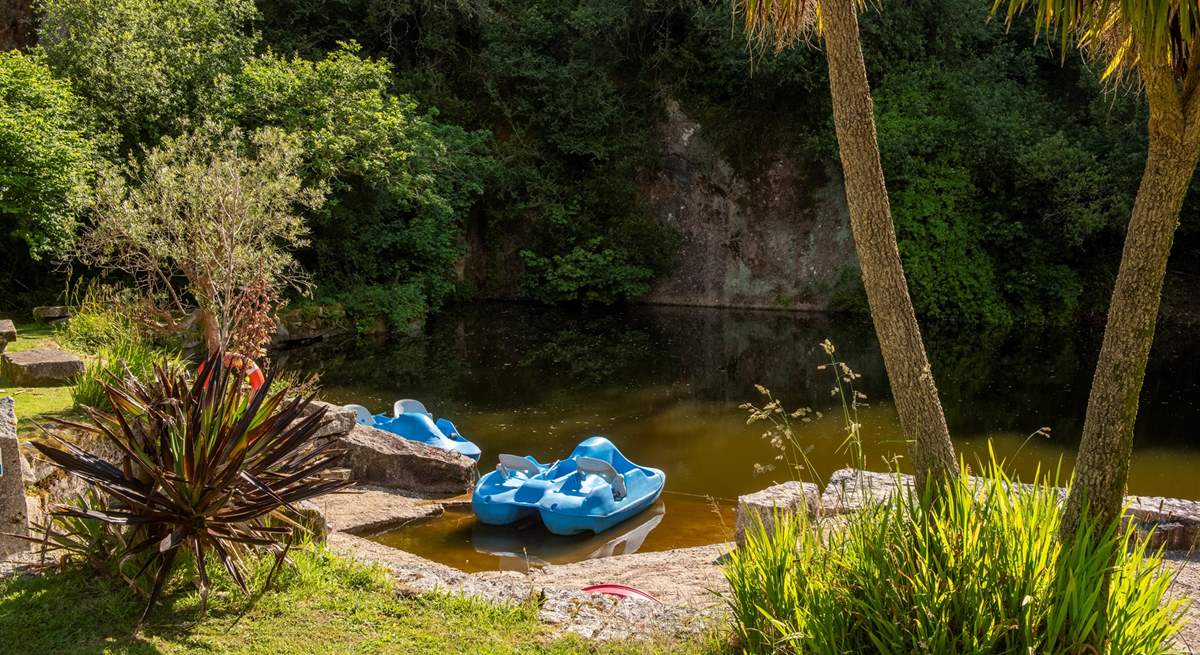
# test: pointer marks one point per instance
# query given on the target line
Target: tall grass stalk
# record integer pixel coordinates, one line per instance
(792, 452)
(130, 358)
(102, 317)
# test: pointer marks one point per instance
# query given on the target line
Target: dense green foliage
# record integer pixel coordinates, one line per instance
(527, 129)
(981, 572)
(145, 67)
(573, 130)
(46, 158)
(400, 182)
(1010, 171)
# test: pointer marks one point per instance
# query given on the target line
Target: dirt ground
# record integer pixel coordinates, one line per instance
(1187, 585)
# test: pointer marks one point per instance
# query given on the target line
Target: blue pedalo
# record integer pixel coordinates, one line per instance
(412, 421)
(592, 490)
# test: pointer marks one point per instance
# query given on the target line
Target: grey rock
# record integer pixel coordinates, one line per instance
(608, 618)
(741, 243)
(790, 497)
(1172, 523)
(8, 333)
(42, 367)
(850, 490)
(51, 313)
(380, 458)
(338, 420)
(14, 515)
(367, 510)
(308, 325)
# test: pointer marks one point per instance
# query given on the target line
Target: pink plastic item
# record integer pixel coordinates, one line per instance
(621, 590)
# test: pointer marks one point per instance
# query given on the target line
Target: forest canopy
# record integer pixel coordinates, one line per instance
(527, 128)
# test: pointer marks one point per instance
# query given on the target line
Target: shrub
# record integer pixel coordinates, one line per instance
(103, 315)
(132, 359)
(144, 66)
(399, 305)
(210, 471)
(209, 218)
(981, 571)
(46, 157)
(399, 181)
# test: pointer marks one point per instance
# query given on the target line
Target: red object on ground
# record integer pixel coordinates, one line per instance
(245, 365)
(624, 591)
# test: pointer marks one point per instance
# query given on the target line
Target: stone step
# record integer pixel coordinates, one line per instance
(41, 367)
(8, 333)
(51, 313)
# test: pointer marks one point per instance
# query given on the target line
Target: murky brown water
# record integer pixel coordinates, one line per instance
(664, 384)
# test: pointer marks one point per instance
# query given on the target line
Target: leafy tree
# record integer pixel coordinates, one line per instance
(145, 64)
(1153, 43)
(47, 156)
(558, 85)
(222, 217)
(916, 396)
(399, 182)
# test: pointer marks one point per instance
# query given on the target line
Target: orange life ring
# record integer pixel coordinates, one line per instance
(244, 364)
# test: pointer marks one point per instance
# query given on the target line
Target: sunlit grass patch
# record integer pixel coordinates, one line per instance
(323, 604)
(31, 336)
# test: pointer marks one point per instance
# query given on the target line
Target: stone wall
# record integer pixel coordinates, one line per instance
(13, 513)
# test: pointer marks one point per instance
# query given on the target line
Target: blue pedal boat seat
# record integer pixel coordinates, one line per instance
(512, 491)
(419, 426)
(605, 490)
(594, 489)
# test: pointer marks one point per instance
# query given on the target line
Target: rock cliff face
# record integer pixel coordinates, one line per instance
(775, 237)
(778, 240)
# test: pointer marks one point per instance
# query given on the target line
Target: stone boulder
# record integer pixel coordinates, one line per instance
(383, 459)
(790, 497)
(13, 511)
(306, 325)
(338, 420)
(1172, 523)
(8, 333)
(41, 367)
(52, 313)
(850, 490)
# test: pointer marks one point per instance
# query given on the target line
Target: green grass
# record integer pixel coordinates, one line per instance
(324, 605)
(34, 402)
(978, 571)
(32, 335)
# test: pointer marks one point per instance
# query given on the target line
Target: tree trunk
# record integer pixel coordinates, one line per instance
(210, 332)
(908, 369)
(1102, 466)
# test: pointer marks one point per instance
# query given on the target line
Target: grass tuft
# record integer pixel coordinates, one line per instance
(978, 571)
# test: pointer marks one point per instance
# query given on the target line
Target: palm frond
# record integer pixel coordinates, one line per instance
(1125, 34)
(780, 23)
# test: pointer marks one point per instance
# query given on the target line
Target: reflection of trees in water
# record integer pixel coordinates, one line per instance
(502, 355)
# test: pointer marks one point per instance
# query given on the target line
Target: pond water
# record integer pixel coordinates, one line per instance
(664, 384)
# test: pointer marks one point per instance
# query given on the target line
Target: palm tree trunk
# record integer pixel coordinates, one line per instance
(1102, 466)
(908, 369)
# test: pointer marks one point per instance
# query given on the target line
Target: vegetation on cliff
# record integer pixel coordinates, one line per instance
(527, 129)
